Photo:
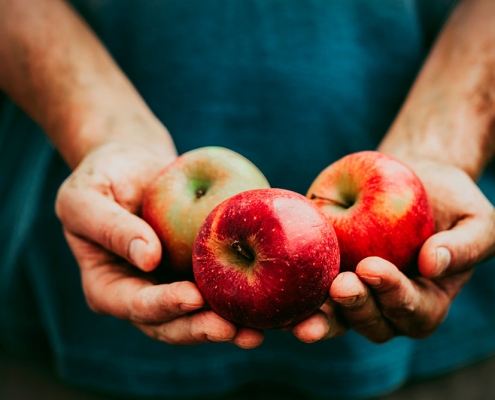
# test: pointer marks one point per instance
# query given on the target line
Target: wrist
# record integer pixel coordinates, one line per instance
(449, 114)
(87, 130)
(451, 129)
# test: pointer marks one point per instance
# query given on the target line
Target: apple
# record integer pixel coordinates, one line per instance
(265, 258)
(377, 206)
(183, 194)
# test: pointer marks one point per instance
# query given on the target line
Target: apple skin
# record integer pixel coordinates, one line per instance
(377, 206)
(265, 258)
(182, 195)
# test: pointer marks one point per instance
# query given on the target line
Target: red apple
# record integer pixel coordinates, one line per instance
(183, 194)
(377, 206)
(265, 258)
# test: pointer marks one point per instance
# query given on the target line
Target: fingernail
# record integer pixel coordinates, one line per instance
(373, 281)
(346, 301)
(136, 248)
(443, 260)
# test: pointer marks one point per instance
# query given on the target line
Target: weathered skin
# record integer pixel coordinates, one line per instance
(265, 258)
(377, 206)
(182, 195)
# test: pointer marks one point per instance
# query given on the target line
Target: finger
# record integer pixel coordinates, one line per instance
(323, 324)
(137, 300)
(91, 215)
(469, 242)
(191, 329)
(359, 308)
(415, 308)
(159, 303)
(113, 287)
(164, 312)
(247, 338)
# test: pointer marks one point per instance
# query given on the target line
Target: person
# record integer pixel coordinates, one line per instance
(121, 88)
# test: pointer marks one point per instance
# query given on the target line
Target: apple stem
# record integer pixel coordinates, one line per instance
(331, 201)
(200, 193)
(241, 250)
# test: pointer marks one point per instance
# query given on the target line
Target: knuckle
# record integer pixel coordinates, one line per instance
(93, 301)
(153, 334)
(375, 329)
(162, 335)
(472, 255)
(94, 306)
(403, 309)
(358, 302)
(137, 307)
(337, 328)
(177, 332)
(205, 325)
(383, 338)
(180, 293)
(61, 200)
(172, 293)
(106, 235)
(159, 334)
(354, 303)
(145, 309)
(149, 331)
(368, 324)
(361, 301)
(67, 192)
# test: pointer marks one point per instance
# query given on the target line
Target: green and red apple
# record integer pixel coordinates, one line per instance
(377, 206)
(265, 258)
(183, 194)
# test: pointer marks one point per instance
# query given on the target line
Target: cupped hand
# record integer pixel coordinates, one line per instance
(380, 302)
(98, 206)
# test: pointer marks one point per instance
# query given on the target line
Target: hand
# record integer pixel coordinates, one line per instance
(115, 249)
(444, 131)
(380, 302)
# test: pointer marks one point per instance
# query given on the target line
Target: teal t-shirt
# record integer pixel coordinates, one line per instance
(292, 85)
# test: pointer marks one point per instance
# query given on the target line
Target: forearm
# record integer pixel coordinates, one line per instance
(449, 114)
(55, 68)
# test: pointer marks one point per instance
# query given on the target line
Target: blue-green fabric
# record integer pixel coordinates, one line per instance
(293, 85)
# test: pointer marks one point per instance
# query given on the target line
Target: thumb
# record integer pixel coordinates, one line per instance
(97, 218)
(458, 249)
